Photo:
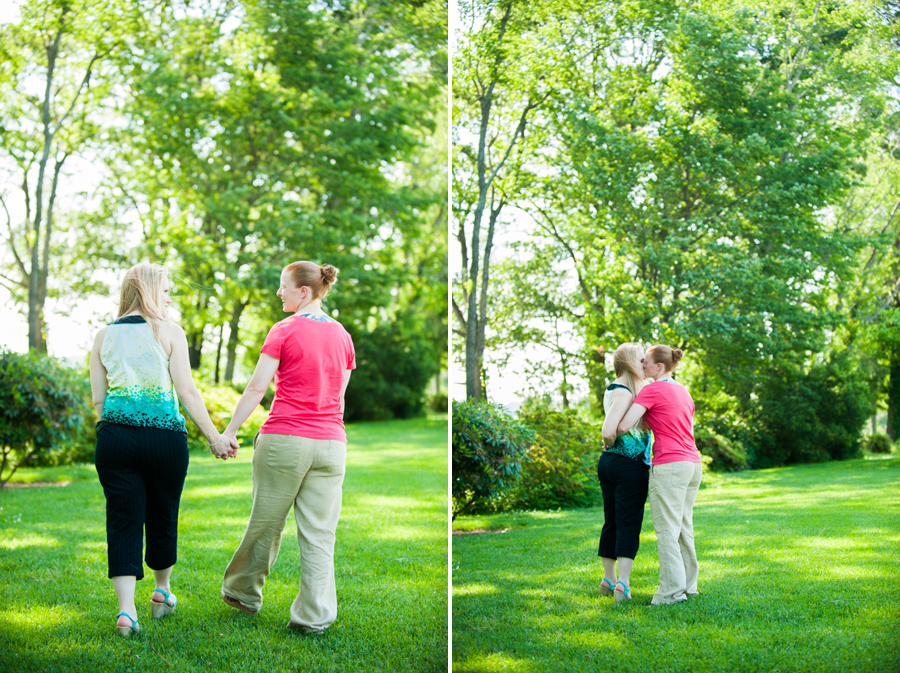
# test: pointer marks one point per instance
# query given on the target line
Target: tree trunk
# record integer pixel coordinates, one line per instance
(195, 348)
(219, 351)
(233, 339)
(893, 411)
(36, 341)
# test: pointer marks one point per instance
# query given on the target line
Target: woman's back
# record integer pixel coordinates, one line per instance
(314, 352)
(141, 392)
(670, 414)
(636, 442)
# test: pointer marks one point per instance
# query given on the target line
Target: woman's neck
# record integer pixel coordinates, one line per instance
(312, 307)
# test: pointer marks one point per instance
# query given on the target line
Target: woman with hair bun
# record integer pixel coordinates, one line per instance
(300, 452)
(139, 370)
(623, 470)
(675, 473)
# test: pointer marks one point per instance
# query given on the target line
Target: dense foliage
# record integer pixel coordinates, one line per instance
(393, 367)
(809, 416)
(877, 443)
(226, 140)
(721, 177)
(42, 405)
(488, 450)
(725, 455)
(561, 469)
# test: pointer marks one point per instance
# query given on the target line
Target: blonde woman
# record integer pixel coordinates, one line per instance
(139, 370)
(667, 407)
(623, 470)
(300, 452)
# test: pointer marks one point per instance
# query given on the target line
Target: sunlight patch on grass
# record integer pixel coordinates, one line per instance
(496, 661)
(38, 616)
(27, 540)
(477, 589)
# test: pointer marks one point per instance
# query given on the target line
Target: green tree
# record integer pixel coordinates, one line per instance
(272, 131)
(496, 93)
(56, 84)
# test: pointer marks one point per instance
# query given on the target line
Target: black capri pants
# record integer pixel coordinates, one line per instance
(624, 483)
(142, 472)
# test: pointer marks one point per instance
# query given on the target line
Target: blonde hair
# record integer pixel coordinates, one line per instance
(142, 293)
(665, 355)
(627, 363)
(317, 278)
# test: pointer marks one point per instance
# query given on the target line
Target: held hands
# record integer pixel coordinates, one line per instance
(224, 447)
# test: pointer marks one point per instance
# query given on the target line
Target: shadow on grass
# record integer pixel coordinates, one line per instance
(390, 565)
(802, 588)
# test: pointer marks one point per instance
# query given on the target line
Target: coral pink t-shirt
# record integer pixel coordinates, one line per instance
(314, 353)
(670, 414)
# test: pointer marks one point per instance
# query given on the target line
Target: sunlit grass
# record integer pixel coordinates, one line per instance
(57, 608)
(799, 572)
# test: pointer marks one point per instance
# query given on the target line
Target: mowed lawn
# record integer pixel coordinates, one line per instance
(799, 571)
(57, 607)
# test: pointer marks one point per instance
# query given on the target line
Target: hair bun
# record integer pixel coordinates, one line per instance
(677, 354)
(329, 273)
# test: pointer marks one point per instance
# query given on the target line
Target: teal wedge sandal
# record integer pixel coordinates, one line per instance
(126, 631)
(608, 589)
(162, 608)
(622, 595)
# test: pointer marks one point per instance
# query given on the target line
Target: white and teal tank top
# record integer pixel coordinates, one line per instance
(140, 391)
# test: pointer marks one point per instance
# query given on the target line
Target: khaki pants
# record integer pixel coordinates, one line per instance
(673, 489)
(308, 474)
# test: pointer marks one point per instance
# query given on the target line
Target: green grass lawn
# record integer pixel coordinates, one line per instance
(57, 607)
(799, 571)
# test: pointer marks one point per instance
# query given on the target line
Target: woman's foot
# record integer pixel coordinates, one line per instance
(162, 603)
(126, 625)
(235, 603)
(623, 594)
(606, 587)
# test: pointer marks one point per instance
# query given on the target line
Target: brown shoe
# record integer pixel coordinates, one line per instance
(235, 603)
(305, 630)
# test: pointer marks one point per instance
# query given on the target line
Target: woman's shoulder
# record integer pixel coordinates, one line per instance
(98, 338)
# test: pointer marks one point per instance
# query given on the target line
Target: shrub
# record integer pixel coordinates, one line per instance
(725, 455)
(803, 418)
(42, 404)
(877, 443)
(439, 403)
(393, 368)
(561, 470)
(488, 448)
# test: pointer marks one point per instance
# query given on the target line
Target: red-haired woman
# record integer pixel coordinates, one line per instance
(300, 452)
(675, 474)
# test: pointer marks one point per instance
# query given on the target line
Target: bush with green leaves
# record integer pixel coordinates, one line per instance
(561, 470)
(725, 455)
(877, 443)
(805, 417)
(439, 402)
(42, 405)
(393, 367)
(488, 449)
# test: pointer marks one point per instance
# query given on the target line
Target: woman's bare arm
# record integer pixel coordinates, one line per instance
(99, 382)
(254, 392)
(180, 369)
(634, 414)
(621, 401)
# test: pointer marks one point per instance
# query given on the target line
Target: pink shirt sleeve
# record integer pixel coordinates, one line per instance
(274, 341)
(351, 354)
(647, 397)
